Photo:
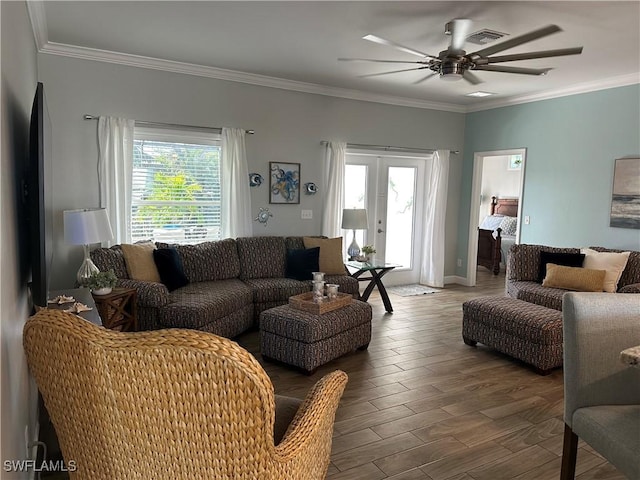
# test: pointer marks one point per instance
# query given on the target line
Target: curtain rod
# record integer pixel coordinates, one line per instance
(172, 125)
(388, 148)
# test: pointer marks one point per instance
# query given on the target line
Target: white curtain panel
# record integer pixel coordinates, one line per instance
(115, 166)
(236, 197)
(334, 189)
(435, 209)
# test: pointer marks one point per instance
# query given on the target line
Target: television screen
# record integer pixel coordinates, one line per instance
(38, 199)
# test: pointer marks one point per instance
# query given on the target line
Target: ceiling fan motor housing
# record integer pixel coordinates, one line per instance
(452, 69)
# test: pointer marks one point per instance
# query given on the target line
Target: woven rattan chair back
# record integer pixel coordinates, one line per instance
(177, 404)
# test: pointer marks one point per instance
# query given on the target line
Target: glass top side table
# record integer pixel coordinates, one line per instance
(377, 270)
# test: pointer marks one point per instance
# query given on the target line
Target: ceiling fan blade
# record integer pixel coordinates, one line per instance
(532, 55)
(471, 78)
(459, 31)
(393, 71)
(431, 75)
(402, 48)
(506, 69)
(379, 61)
(515, 41)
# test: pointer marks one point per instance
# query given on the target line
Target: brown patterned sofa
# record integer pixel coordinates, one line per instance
(230, 282)
(523, 280)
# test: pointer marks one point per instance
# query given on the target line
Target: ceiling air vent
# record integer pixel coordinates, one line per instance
(485, 36)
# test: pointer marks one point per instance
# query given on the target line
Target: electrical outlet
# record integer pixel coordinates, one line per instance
(459, 263)
(527, 220)
(306, 214)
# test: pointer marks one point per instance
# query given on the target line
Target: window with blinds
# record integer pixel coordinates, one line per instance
(175, 186)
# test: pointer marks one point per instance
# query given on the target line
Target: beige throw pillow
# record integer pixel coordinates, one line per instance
(330, 259)
(574, 278)
(612, 262)
(139, 260)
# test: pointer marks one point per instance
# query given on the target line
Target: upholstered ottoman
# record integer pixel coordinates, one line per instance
(306, 340)
(523, 330)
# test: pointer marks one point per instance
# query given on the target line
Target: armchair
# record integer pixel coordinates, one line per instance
(180, 404)
(602, 395)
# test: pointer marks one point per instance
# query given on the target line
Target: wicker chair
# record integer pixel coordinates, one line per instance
(179, 404)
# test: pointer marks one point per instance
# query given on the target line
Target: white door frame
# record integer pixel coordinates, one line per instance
(476, 186)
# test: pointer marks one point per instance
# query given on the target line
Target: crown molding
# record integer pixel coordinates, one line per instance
(53, 48)
(613, 82)
(38, 23)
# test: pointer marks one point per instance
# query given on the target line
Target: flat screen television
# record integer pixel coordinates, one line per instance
(38, 199)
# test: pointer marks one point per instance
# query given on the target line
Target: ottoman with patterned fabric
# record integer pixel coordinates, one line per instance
(526, 331)
(306, 340)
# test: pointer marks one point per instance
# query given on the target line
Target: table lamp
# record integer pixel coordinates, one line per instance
(354, 219)
(85, 227)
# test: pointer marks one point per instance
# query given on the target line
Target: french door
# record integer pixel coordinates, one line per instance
(391, 188)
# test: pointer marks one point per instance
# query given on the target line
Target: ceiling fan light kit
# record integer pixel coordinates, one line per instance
(455, 64)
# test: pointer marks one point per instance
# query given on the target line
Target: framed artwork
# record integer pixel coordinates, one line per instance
(625, 198)
(284, 182)
(515, 162)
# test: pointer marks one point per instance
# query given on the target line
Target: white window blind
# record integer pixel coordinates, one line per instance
(175, 186)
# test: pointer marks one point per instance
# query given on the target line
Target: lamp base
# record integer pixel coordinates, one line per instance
(354, 250)
(87, 269)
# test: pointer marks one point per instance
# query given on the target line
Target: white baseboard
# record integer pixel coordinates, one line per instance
(456, 280)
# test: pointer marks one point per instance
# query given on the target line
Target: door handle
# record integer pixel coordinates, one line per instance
(380, 230)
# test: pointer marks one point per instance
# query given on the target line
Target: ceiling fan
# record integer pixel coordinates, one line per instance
(455, 64)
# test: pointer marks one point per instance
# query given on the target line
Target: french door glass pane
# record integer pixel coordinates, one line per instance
(355, 196)
(400, 213)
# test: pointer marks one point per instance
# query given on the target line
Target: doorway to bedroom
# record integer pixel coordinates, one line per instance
(496, 202)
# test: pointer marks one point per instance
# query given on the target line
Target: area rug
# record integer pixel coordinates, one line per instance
(410, 290)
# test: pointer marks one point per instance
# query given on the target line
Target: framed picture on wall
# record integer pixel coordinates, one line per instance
(284, 182)
(625, 198)
(515, 162)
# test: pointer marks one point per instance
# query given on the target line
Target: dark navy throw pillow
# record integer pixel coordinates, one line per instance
(565, 259)
(169, 265)
(300, 263)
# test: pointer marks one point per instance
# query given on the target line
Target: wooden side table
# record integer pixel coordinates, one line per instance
(118, 309)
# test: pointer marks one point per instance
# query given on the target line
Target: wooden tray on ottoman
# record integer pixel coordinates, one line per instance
(305, 302)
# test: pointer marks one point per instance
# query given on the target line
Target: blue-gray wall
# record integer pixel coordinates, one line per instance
(571, 144)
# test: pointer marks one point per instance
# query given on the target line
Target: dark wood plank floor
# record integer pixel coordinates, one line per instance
(422, 405)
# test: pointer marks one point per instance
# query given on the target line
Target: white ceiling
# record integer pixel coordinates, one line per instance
(296, 44)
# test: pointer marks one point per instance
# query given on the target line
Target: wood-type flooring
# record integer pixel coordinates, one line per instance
(422, 405)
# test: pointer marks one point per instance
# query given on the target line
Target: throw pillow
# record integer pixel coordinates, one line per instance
(301, 263)
(170, 268)
(566, 259)
(574, 278)
(491, 222)
(509, 225)
(330, 259)
(139, 260)
(613, 263)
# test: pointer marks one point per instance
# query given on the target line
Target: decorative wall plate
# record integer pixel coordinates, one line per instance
(310, 188)
(255, 179)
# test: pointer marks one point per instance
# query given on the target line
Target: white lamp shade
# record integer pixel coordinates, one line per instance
(354, 219)
(86, 226)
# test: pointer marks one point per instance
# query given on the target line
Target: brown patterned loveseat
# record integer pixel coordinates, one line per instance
(523, 277)
(230, 283)
(527, 323)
